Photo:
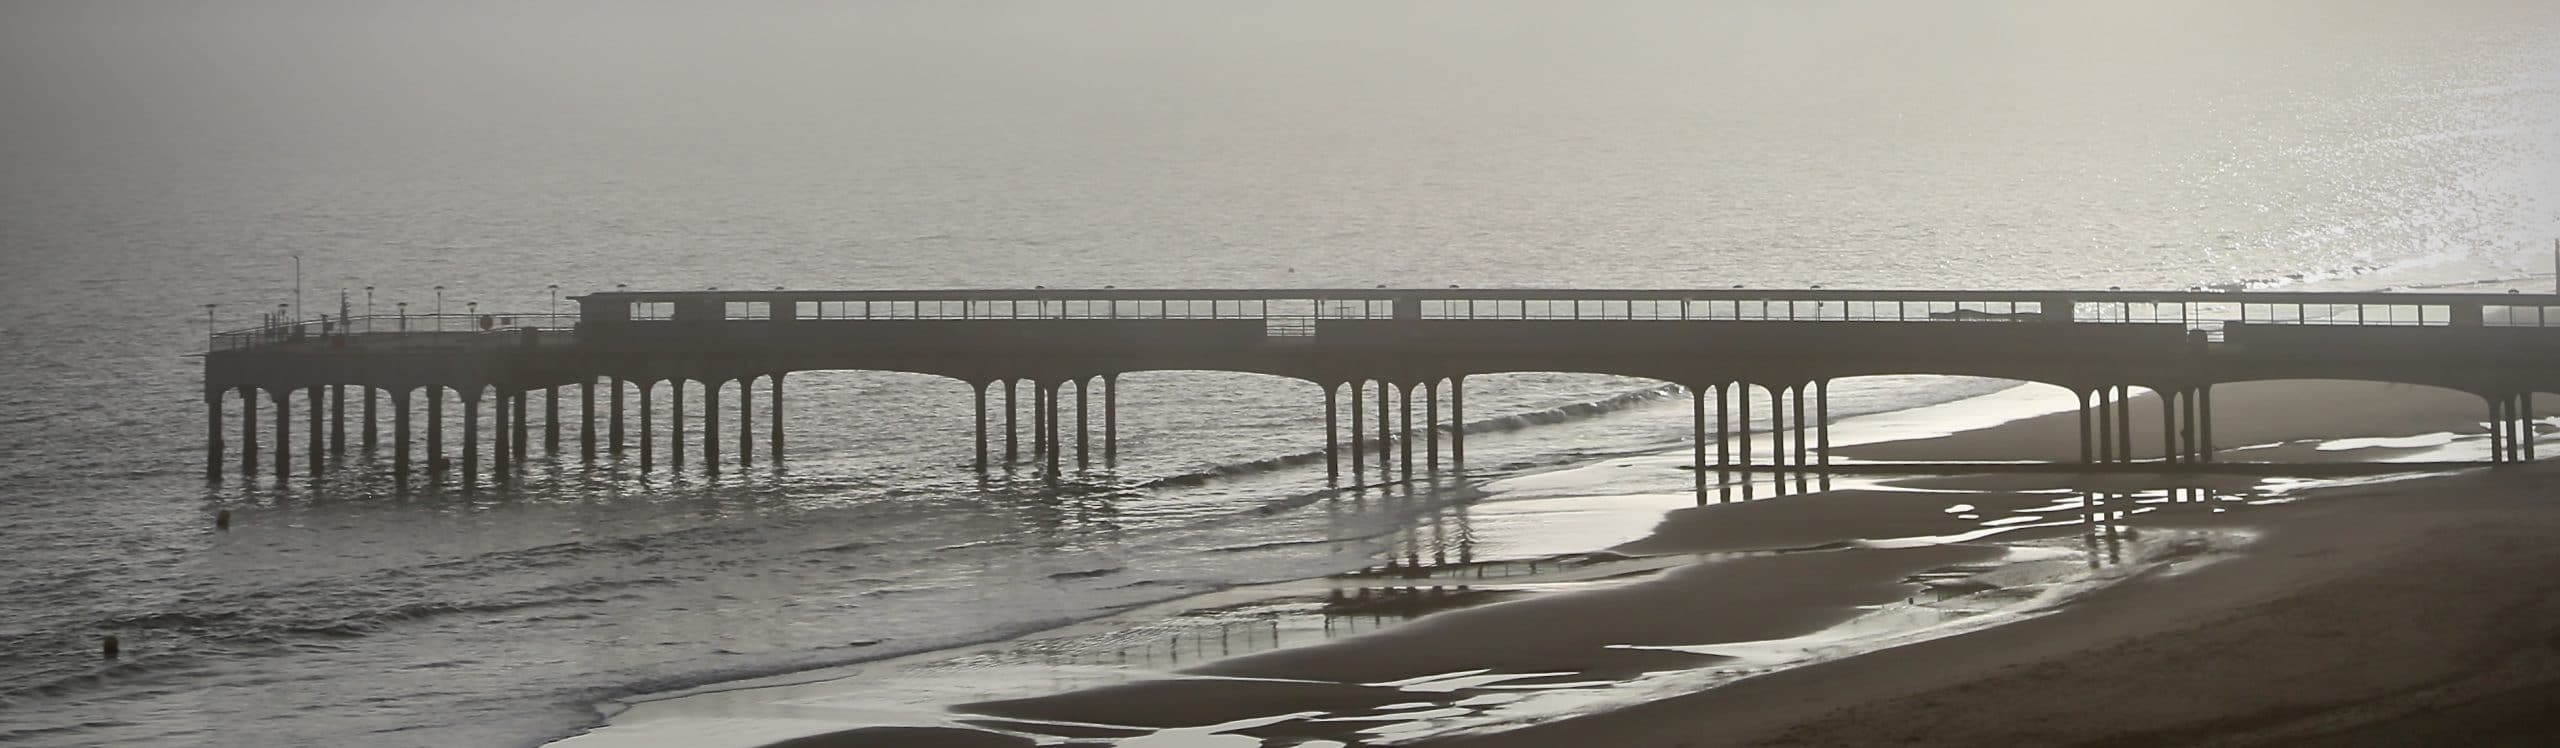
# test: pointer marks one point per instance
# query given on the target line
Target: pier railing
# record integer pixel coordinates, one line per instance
(1294, 312)
(398, 329)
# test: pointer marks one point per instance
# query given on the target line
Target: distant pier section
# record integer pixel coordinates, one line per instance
(1747, 355)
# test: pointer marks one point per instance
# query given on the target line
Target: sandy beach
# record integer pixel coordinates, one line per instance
(2008, 609)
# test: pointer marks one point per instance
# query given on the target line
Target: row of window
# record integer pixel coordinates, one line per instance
(1623, 309)
(1724, 309)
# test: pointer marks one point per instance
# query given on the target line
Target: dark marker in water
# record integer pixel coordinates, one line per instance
(222, 520)
(111, 647)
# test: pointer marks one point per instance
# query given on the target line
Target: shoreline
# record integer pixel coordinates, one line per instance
(1089, 697)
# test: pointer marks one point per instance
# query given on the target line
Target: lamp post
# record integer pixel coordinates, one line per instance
(555, 299)
(404, 315)
(368, 301)
(439, 316)
(208, 321)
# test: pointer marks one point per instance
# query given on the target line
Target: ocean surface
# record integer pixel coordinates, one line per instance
(157, 156)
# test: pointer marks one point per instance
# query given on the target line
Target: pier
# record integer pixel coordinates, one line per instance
(1378, 355)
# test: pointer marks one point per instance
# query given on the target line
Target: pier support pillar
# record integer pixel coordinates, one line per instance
(979, 391)
(283, 399)
(1049, 413)
(551, 421)
(1778, 427)
(2204, 421)
(1111, 420)
(213, 436)
(613, 416)
(1458, 422)
(1742, 394)
(400, 434)
(1359, 446)
(747, 421)
(522, 444)
(1404, 439)
(675, 426)
(1431, 422)
(648, 424)
(1012, 431)
(587, 420)
(316, 450)
(1386, 431)
(1822, 419)
(501, 449)
(2524, 423)
(1332, 433)
(435, 429)
(1039, 424)
(2081, 398)
(1698, 439)
(1804, 428)
(2168, 425)
(711, 427)
(337, 420)
(1084, 424)
(470, 436)
(2124, 423)
(2106, 424)
(1724, 426)
(776, 425)
(372, 425)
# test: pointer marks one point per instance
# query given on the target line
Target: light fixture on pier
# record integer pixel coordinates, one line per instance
(439, 301)
(368, 301)
(555, 299)
(208, 319)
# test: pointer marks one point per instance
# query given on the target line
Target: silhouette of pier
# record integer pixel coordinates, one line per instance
(1377, 355)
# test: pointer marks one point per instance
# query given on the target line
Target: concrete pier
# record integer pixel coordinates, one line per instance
(1391, 344)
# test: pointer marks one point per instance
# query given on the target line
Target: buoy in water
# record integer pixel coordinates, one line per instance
(111, 647)
(222, 520)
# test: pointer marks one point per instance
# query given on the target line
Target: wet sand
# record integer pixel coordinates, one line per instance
(2371, 615)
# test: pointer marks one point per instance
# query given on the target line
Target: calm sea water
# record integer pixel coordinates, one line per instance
(158, 156)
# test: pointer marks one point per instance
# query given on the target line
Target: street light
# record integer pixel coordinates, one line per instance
(368, 301)
(439, 316)
(208, 320)
(404, 315)
(555, 299)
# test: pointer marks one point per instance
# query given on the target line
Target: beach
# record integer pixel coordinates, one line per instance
(1949, 609)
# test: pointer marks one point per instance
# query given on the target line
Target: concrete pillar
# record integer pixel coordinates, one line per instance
(1724, 425)
(1822, 418)
(2124, 423)
(2106, 425)
(1084, 425)
(337, 420)
(979, 391)
(400, 434)
(711, 427)
(1359, 445)
(521, 443)
(2081, 398)
(2187, 426)
(435, 429)
(1404, 437)
(776, 424)
(316, 449)
(2204, 421)
(501, 448)
(1431, 422)
(675, 426)
(1804, 429)
(1332, 433)
(1698, 436)
(2168, 425)
(747, 421)
(213, 436)
(283, 399)
(587, 420)
(1458, 421)
(1012, 434)
(551, 421)
(1742, 393)
(1039, 423)
(613, 418)
(1777, 427)
(471, 435)
(648, 424)
(2524, 423)
(1111, 419)
(1049, 391)
(1386, 431)
(372, 425)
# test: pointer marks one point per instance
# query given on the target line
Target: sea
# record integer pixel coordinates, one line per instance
(170, 167)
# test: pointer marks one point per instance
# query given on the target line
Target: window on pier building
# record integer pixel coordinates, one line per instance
(757, 310)
(653, 310)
